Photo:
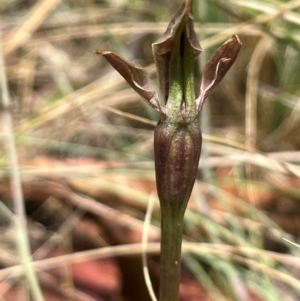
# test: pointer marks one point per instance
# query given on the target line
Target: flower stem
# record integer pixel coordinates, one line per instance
(170, 260)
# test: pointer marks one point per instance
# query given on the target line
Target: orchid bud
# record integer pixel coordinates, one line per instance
(177, 149)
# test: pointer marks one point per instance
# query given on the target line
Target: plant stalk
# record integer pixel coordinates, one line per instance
(170, 255)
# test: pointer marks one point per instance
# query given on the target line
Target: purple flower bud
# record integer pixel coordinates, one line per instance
(177, 149)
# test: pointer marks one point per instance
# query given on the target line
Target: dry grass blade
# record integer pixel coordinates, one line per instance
(127, 115)
(72, 101)
(221, 250)
(34, 18)
(147, 222)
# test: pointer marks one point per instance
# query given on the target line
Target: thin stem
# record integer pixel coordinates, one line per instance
(170, 257)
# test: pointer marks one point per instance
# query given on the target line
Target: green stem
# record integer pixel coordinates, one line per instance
(170, 257)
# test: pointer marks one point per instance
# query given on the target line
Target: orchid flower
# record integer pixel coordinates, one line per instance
(177, 138)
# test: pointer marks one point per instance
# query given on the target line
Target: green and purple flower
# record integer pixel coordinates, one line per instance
(177, 139)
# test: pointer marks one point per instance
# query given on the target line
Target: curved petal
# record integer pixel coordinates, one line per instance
(217, 67)
(136, 77)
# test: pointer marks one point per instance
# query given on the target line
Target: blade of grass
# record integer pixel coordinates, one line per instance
(263, 46)
(260, 19)
(18, 202)
(147, 222)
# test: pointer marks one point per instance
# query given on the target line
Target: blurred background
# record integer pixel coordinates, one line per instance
(84, 144)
